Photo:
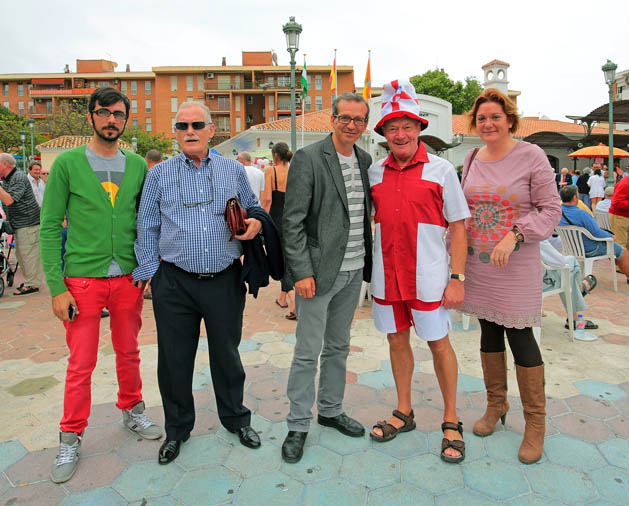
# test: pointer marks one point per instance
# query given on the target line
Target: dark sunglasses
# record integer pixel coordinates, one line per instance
(105, 113)
(196, 125)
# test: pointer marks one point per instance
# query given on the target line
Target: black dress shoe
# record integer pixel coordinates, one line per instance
(344, 424)
(170, 450)
(249, 437)
(293, 446)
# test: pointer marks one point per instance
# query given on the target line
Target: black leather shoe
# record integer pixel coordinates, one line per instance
(249, 437)
(344, 424)
(170, 450)
(293, 446)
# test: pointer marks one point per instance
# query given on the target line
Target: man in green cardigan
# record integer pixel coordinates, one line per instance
(97, 188)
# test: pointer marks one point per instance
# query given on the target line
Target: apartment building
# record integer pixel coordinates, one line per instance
(239, 96)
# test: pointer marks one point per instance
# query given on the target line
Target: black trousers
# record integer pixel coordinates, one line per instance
(180, 301)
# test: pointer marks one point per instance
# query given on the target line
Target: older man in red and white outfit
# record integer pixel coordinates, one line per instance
(417, 198)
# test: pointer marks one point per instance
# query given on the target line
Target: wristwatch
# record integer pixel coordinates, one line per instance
(518, 235)
(460, 277)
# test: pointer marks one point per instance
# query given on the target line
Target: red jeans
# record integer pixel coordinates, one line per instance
(124, 302)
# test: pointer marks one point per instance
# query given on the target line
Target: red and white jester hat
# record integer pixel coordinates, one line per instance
(399, 99)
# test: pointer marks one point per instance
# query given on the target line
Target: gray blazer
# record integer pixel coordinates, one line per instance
(316, 216)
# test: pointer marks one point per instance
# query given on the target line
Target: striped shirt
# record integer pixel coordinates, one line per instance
(355, 250)
(181, 217)
(24, 212)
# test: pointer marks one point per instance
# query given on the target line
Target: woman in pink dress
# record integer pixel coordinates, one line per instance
(510, 188)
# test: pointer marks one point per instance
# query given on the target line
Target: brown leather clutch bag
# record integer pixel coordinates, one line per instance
(235, 217)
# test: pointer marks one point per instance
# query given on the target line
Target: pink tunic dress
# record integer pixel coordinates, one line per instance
(518, 189)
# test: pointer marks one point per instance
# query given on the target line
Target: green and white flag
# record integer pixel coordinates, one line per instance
(304, 81)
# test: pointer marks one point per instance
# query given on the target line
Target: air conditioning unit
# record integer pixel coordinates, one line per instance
(116, 81)
(209, 75)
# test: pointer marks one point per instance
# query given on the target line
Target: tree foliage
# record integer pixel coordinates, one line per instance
(70, 118)
(147, 140)
(10, 126)
(437, 83)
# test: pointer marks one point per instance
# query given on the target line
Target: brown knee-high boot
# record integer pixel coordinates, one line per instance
(531, 384)
(495, 375)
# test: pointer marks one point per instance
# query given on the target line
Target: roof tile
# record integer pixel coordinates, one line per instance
(73, 141)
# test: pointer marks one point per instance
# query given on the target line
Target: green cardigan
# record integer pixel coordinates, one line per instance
(98, 231)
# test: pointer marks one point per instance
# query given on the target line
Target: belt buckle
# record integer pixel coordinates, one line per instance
(206, 276)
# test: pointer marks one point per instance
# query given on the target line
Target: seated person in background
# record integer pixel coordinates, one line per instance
(603, 205)
(579, 286)
(572, 215)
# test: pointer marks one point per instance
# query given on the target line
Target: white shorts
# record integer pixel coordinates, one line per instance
(431, 320)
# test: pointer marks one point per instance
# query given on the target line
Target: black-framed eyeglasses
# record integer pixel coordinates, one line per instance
(194, 204)
(196, 125)
(105, 113)
(346, 120)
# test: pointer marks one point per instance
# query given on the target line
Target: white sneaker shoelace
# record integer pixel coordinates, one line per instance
(141, 419)
(67, 453)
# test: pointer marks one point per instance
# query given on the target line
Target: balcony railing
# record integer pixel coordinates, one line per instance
(72, 92)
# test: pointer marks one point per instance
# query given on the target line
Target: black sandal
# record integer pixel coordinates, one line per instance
(589, 325)
(390, 431)
(454, 444)
(591, 279)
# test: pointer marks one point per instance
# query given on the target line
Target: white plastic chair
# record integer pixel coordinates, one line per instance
(602, 220)
(563, 288)
(572, 242)
(365, 293)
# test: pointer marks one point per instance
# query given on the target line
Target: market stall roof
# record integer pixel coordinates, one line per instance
(601, 114)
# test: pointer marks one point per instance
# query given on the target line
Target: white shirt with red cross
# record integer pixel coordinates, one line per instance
(412, 208)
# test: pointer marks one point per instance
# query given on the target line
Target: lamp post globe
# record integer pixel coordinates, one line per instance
(31, 125)
(609, 70)
(23, 139)
(292, 30)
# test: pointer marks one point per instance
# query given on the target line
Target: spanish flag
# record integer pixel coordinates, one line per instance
(367, 87)
(333, 75)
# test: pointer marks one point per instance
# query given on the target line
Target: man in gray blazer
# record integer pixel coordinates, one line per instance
(327, 241)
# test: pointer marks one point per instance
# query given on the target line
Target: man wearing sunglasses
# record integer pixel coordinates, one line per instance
(97, 187)
(184, 246)
(327, 236)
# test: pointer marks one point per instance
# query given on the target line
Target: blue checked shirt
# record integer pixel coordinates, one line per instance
(181, 218)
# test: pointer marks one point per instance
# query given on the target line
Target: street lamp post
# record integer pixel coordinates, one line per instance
(31, 125)
(292, 31)
(609, 70)
(134, 143)
(23, 139)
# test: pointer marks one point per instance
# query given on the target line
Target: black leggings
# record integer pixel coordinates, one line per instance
(521, 341)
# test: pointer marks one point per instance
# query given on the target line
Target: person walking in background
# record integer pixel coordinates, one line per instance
(254, 175)
(153, 157)
(511, 191)
(584, 187)
(37, 183)
(597, 188)
(273, 202)
(22, 211)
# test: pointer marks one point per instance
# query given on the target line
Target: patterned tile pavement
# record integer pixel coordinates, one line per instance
(586, 453)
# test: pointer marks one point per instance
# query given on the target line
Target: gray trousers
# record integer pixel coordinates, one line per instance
(323, 326)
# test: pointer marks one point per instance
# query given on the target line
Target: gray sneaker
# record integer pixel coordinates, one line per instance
(137, 422)
(67, 459)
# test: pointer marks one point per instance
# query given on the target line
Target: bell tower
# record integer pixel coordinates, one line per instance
(496, 76)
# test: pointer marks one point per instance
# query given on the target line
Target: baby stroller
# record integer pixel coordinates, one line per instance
(6, 246)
